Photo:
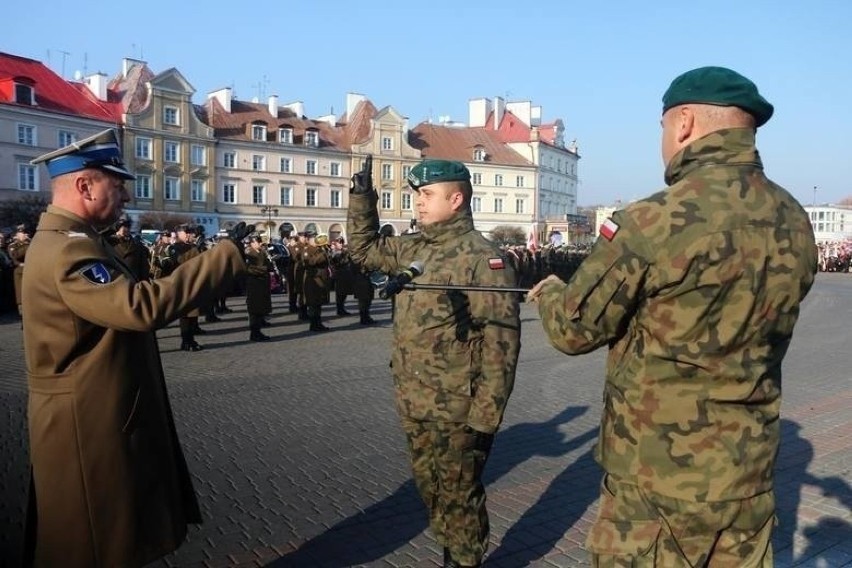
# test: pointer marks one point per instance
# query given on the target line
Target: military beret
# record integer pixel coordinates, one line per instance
(100, 151)
(310, 233)
(718, 86)
(436, 171)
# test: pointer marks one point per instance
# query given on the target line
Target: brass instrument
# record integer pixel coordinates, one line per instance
(321, 240)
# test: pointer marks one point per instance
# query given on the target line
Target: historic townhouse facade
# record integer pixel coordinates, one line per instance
(384, 134)
(40, 112)
(504, 183)
(277, 169)
(166, 145)
(519, 126)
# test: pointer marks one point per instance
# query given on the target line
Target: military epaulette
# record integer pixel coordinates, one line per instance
(73, 234)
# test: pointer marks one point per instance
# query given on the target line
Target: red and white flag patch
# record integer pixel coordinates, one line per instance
(496, 263)
(609, 229)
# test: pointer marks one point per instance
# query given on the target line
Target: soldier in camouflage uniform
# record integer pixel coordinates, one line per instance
(695, 290)
(456, 352)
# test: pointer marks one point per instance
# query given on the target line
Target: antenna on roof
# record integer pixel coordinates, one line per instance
(64, 55)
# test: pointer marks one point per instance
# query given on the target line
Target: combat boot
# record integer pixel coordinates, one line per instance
(316, 323)
(303, 313)
(190, 346)
(366, 319)
(257, 335)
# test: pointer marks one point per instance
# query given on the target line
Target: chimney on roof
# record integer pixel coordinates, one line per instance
(224, 96)
(352, 100)
(535, 116)
(478, 110)
(298, 108)
(499, 109)
(522, 111)
(127, 64)
(97, 84)
(535, 134)
(273, 105)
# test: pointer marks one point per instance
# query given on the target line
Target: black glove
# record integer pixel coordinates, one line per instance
(479, 440)
(362, 182)
(240, 232)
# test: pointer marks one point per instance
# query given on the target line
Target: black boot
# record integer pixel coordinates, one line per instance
(303, 313)
(316, 321)
(366, 319)
(187, 335)
(257, 335)
(341, 311)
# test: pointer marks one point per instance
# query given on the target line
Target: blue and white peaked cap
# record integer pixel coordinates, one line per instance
(100, 151)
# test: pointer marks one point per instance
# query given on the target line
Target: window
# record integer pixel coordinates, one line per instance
(143, 148)
(258, 194)
(170, 115)
(258, 131)
(143, 187)
(27, 135)
(387, 200)
(476, 179)
(172, 189)
(479, 155)
(258, 163)
(198, 192)
(229, 159)
(285, 135)
(334, 169)
(66, 138)
(286, 196)
(311, 138)
(286, 165)
(387, 171)
(519, 206)
(311, 167)
(519, 181)
(311, 197)
(24, 94)
(335, 198)
(229, 193)
(387, 143)
(27, 179)
(476, 204)
(406, 201)
(171, 152)
(498, 179)
(405, 171)
(199, 155)
(498, 204)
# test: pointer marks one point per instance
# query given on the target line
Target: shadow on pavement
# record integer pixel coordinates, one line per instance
(792, 475)
(391, 523)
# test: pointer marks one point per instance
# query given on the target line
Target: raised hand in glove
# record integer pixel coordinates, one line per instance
(240, 232)
(362, 182)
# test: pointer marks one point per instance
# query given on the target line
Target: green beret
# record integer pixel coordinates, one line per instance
(436, 171)
(718, 86)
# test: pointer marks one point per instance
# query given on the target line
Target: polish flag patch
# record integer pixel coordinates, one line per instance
(609, 229)
(496, 263)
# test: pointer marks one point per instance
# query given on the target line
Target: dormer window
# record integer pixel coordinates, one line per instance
(171, 115)
(24, 94)
(387, 144)
(285, 135)
(311, 138)
(479, 155)
(258, 131)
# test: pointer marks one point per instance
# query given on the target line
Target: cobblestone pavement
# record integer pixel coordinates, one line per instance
(298, 458)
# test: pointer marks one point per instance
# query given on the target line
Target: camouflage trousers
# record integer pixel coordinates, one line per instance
(447, 468)
(635, 528)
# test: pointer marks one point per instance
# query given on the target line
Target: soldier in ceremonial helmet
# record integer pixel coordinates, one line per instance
(109, 482)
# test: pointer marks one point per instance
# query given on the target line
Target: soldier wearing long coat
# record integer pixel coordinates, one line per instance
(18, 253)
(110, 483)
(258, 293)
(315, 260)
(184, 251)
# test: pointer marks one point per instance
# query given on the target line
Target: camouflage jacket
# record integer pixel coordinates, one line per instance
(456, 352)
(695, 290)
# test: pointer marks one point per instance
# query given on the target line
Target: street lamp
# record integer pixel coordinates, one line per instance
(815, 190)
(269, 212)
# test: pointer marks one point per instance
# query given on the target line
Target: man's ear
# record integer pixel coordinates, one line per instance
(686, 123)
(83, 185)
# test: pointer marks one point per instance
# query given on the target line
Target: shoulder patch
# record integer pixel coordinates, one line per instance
(496, 263)
(96, 273)
(609, 229)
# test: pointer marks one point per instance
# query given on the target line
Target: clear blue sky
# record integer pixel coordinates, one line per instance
(599, 66)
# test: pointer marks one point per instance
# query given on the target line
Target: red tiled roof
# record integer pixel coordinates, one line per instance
(131, 91)
(459, 143)
(232, 125)
(52, 92)
(358, 125)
